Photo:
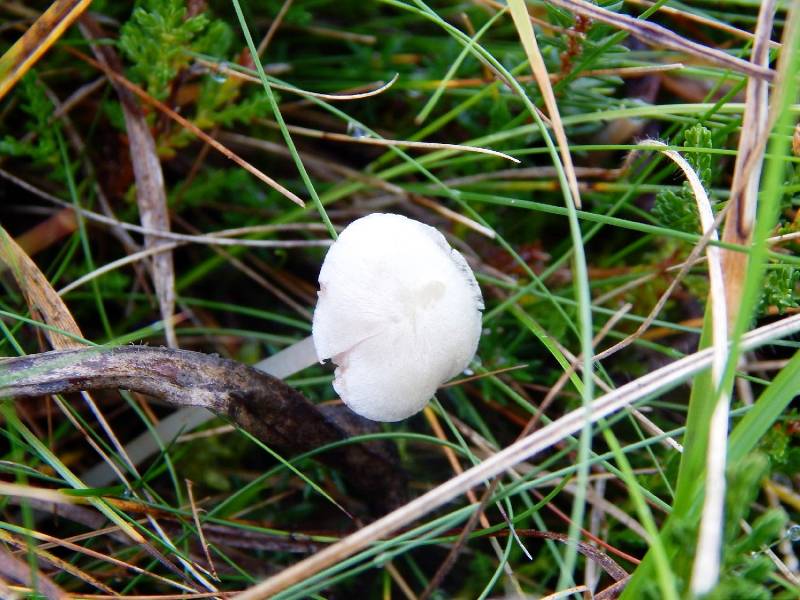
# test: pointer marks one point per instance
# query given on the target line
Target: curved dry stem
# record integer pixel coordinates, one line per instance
(264, 406)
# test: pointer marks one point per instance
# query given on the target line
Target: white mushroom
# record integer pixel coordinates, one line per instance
(398, 312)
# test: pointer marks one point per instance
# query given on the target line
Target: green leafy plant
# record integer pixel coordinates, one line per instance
(780, 289)
(159, 38)
(39, 143)
(679, 209)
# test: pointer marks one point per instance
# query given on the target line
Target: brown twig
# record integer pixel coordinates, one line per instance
(264, 406)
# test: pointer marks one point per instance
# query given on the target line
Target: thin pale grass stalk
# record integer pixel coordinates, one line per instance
(643, 420)
(704, 21)
(623, 72)
(639, 281)
(375, 141)
(575, 365)
(634, 391)
(199, 527)
(231, 71)
(519, 13)
(142, 254)
(298, 161)
(454, 216)
(738, 230)
(325, 167)
(533, 172)
(16, 569)
(53, 542)
(596, 518)
(48, 557)
(790, 574)
(566, 592)
(400, 581)
(197, 572)
(187, 596)
(707, 561)
(764, 365)
(214, 238)
(423, 114)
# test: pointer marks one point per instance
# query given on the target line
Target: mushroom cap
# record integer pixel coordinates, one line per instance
(398, 313)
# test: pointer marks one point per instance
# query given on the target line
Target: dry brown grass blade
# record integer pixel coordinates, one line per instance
(18, 570)
(151, 195)
(747, 171)
(199, 526)
(49, 557)
(48, 232)
(656, 35)
(37, 40)
(522, 21)
(39, 294)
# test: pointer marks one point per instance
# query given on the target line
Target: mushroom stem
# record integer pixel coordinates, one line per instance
(285, 363)
(290, 360)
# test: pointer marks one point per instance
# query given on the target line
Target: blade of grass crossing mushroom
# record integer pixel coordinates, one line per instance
(651, 384)
(279, 118)
(522, 21)
(581, 278)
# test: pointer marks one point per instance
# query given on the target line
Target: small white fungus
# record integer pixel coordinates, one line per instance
(398, 313)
